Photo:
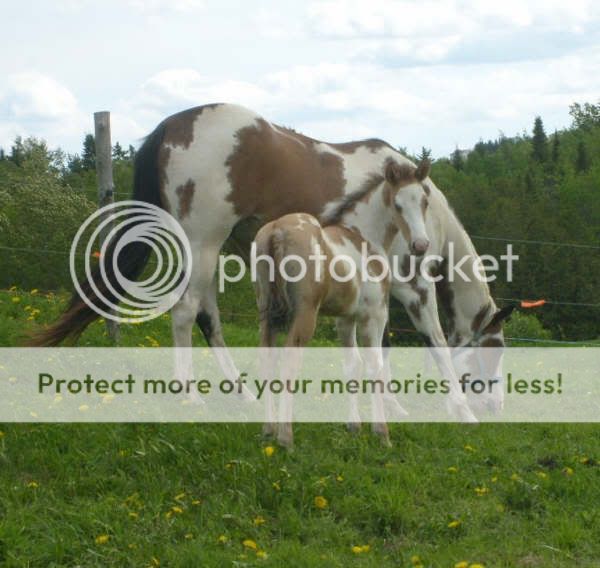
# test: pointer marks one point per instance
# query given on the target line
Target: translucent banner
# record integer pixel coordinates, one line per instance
(311, 385)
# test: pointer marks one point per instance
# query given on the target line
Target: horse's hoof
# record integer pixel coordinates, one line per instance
(269, 430)
(353, 427)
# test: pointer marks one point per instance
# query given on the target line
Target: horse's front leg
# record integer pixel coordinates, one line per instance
(346, 329)
(419, 299)
(371, 335)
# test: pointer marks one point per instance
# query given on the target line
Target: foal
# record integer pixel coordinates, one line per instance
(342, 282)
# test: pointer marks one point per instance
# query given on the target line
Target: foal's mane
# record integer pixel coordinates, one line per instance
(336, 211)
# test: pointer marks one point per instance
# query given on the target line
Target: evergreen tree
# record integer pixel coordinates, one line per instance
(425, 154)
(131, 153)
(555, 148)
(88, 158)
(539, 141)
(457, 160)
(582, 162)
(118, 153)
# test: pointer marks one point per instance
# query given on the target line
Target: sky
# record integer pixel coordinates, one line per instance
(440, 74)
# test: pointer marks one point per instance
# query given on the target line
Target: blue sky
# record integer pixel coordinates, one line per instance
(429, 73)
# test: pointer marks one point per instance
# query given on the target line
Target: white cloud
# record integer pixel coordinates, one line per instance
(153, 6)
(36, 104)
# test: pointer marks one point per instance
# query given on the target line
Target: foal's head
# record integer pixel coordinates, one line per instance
(409, 199)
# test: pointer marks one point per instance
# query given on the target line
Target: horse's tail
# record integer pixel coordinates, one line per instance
(131, 260)
(276, 304)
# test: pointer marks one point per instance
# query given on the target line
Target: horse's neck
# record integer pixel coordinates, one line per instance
(472, 304)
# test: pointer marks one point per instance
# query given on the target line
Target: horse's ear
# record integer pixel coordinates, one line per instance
(501, 315)
(423, 169)
(393, 173)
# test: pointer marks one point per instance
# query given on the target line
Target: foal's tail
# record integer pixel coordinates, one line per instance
(275, 300)
(131, 260)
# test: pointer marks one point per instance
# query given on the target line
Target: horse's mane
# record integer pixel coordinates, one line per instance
(334, 212)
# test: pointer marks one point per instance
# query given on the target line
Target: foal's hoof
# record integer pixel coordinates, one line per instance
(383, 433)
(269, 430)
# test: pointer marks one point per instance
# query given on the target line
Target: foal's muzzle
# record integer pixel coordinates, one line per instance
(419, 246)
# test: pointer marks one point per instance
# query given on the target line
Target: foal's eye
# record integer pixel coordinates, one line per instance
(398, 207)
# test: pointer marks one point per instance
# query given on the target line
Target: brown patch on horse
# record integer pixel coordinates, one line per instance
(372, 144)
(391, 231)
(163, 160)
(492, 342)
(479, 318)
(446, 296)
(424, 205)
(272, 173)
(185, 193)
(179, 128)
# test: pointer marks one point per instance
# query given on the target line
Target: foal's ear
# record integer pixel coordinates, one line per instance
(501, 315)
(423, 169)
(393, 173)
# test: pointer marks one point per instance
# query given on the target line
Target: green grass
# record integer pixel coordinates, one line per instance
(525, 495)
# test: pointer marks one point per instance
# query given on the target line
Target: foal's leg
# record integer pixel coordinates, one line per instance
(267, 369)
(371, 335)
(420, 301)
(301, 332)
(346, 329)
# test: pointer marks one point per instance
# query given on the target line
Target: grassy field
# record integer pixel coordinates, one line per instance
(149, 495)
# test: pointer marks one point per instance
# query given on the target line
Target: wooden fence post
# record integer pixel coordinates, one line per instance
(104, 176)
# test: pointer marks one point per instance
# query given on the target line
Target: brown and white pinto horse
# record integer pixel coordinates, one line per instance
(340, 269)
(222, 171)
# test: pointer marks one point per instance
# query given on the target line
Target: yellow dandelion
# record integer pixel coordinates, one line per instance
(515, 477)
(320, 502)
(584, 460)
(542, 474)
(481, 491)
(16, 299)
(568, 471)
(268, 451)
(462, 564)
(34, 292)
(494, 479)
(133, 515)
(453, 524)
(1, 434)
(414, 559)
(177, 510)
(196, 502)
(188, 536)
(339, 478)
(469, 448)
(179, 497)
(33, 485)
(102, 539)
(276, 486)
(155, 562)
(452, 469)
(261, 554)
(357, 549)
(259, 521)
(249, 543)
(476, 565)
(222, 539)
(366, 547)
(169, 514)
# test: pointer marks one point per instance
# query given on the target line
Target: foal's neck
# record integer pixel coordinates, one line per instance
(371, 217)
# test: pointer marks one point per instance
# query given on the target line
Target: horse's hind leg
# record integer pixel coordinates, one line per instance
(209, 322)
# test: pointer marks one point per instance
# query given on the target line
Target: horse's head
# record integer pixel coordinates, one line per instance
(408, 198)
